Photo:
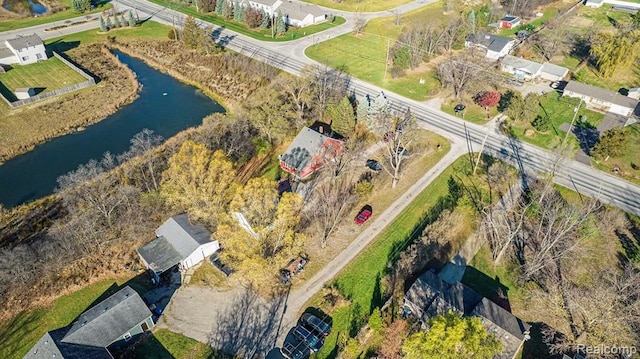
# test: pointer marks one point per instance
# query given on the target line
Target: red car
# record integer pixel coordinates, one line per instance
(364, 215)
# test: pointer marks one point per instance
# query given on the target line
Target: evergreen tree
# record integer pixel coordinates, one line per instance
(472, 21)
(266, 19)
(132, 20)
(75, 6)
(220, 5)
(191, 33)
(362, 110)
(613, 143)
(103, 26)
(541, 123)
(281, 27)
(237, 12)
(116, 21)
(123, 23)
(109, 24)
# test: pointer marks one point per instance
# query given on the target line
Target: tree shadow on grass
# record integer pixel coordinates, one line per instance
(535, 347)
(587, 135)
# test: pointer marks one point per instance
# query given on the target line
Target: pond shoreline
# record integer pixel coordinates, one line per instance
(72, 126)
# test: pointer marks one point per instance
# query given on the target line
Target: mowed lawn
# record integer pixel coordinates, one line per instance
(365, 55)
(45, 76)
(359, 5)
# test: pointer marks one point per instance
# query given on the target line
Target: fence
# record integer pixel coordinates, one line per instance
(89, 82)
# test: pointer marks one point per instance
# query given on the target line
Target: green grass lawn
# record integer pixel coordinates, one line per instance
(27, 328)
(148, 29)
(45, 76)
(359, 281)
(560, 110)
(258, 33)
(165, 344)
(472, 113)
(359, 5)
(364, 55)
(628, 164)
(6, 25)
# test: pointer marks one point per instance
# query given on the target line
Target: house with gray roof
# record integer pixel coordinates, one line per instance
(107, 325)
(520, 68)
(22, 50)
(295, 13)
(309, 151)
(178, 242)
(553, 72)
(600, 99)
(496, 46)
(429, 296)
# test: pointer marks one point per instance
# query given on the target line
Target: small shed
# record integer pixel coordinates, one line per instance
(509, 22)
(23, 93)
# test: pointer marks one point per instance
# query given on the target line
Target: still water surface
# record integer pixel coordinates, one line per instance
(164, 105)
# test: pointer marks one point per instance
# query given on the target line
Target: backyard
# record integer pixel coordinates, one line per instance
(6, 25)
(44, 76)
(364, 55)
(560, 111)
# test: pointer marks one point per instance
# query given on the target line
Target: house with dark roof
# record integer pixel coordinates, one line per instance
(509, 22)
(429, 296)
(496, 46)
(107, 325)
(22, 50)
(178, 242)
(309, 151)
(600, 99)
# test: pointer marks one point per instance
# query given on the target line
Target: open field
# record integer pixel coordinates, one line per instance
(6, 25)
(358, 5)
(27, 328)
(147, 30)
(258, 33)
(364, 55)
(44, 76)
(560, 111)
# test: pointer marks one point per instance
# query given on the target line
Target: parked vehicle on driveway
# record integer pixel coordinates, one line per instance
(312, 341)
(316, 324)
(294, 350)
(364, 215)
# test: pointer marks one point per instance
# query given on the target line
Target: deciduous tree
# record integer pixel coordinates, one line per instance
(451, 336)
(199, 181)
(613, 51)
(330, 201)
(523, 109)
(458, 73)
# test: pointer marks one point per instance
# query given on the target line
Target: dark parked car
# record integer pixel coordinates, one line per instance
(316, 324)
(459, 108)
(364, 215)
(374, 165)
(312, 341)
(297, 350)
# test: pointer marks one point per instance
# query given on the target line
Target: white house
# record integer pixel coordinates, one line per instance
(531, 70)
(600, 99)
(179, 243)
(22, 50)
(295, 13)
(496, 46)
(521, 68)
(553, 72)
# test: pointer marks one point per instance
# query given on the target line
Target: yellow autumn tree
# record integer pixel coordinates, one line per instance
(275, 239)
(200, 182)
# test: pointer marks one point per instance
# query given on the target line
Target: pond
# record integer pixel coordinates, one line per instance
(164, 105)
(21, 6)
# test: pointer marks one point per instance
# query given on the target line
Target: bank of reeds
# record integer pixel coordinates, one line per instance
(21, 129)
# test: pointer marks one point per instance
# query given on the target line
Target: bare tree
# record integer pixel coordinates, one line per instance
(148, 165)
(359, 22)
(299, 93)
(458, 73)
(329, 85)
(399, 136)
(331, 200)
(552, 40)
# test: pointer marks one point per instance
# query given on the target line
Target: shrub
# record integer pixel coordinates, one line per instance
(541, 123)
